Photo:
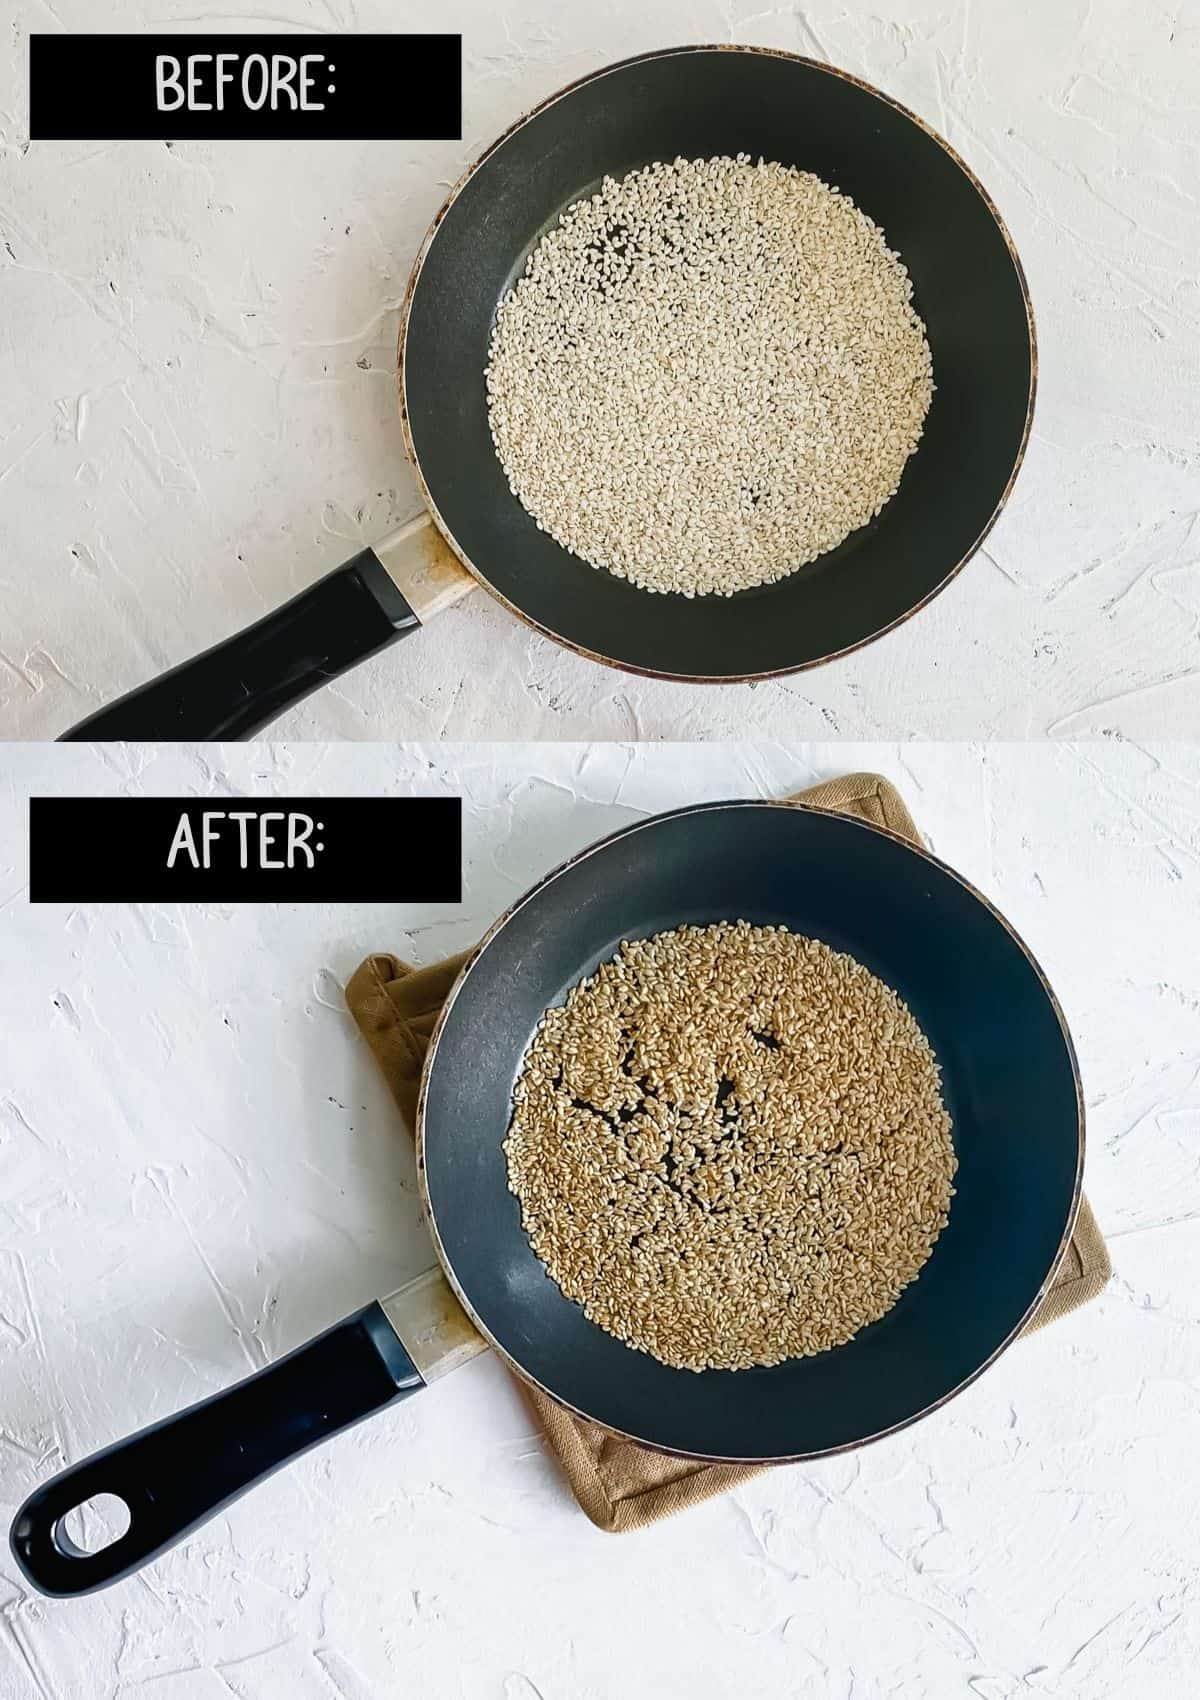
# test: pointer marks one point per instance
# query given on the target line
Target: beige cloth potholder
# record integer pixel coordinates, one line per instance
(619, 1484)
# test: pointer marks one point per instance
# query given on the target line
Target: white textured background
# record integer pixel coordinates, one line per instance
(197, 407)
(199, 1168)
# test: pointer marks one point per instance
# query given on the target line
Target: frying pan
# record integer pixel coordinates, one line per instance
(695, 102)
(1010, 1083)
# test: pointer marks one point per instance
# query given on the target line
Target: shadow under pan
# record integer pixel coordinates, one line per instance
(968, 289)
(1010, 1084)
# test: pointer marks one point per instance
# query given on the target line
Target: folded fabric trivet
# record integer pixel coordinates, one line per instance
(619, 1484)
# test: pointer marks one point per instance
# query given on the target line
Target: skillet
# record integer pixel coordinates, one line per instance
(697, 102)
(1010, 1082)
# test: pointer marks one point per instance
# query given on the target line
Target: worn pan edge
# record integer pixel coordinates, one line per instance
(406, 313)
(580, 856)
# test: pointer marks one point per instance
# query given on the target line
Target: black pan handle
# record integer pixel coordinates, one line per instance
(179, 1473)
(237, 687)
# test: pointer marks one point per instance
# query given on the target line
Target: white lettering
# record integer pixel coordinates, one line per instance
(300, 830)
(283, 75)
(183, 843)
(210, 833)
(166, 79)
(256, 66)
(266, 839)
(243, 817)
(307, 102)
(195, 61)
(224, 76)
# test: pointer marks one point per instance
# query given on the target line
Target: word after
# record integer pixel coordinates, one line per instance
(285, 87)
(236, 850)
(265, 838)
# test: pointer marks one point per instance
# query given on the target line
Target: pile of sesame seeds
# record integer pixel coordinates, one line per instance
(709, 374)
(730, 1147)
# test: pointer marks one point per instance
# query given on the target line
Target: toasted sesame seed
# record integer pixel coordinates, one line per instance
(730, 1147)
(709, 374)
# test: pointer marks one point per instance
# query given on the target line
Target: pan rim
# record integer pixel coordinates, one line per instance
(406, 316)
(920, 851)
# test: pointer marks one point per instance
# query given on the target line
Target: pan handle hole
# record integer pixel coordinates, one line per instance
(92, 1525)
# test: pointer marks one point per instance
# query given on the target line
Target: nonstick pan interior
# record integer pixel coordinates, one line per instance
(1010, 1084)
(698, 102)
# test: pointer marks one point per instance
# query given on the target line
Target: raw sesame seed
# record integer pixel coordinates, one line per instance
(709, 374)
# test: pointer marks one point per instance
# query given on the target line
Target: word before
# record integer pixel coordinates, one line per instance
(271, 86)
(272, 82)
(268, 838)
